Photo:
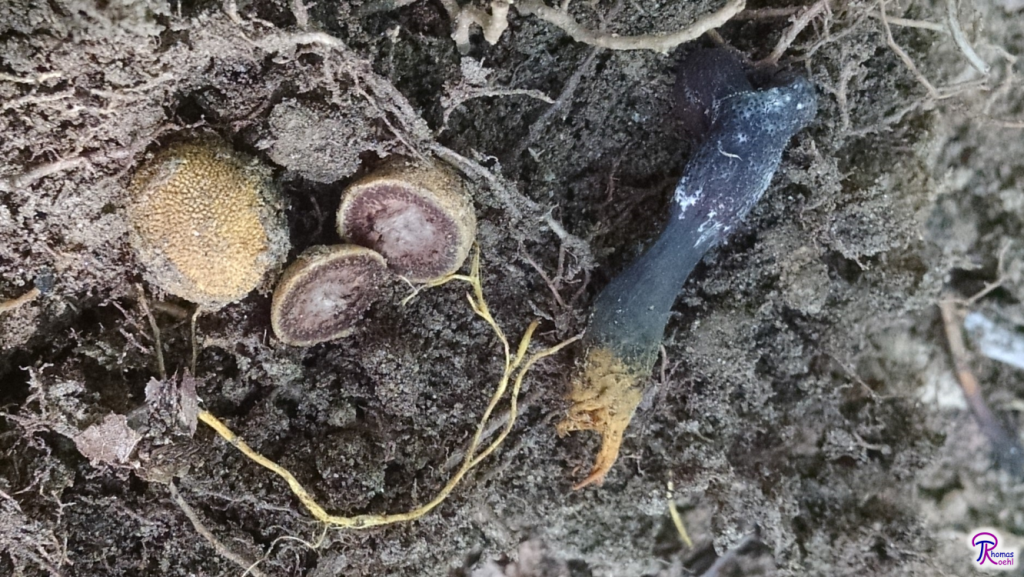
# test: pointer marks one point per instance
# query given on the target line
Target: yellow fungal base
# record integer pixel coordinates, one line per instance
(604, 397)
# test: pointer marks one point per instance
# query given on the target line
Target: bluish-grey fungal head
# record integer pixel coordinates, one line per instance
(738, 151)
(776, 113)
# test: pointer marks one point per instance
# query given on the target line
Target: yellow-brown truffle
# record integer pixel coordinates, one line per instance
(325, 292)
(419, 216)
(206, 222)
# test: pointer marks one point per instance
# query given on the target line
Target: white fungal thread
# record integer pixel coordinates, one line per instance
(728, 154)
(684, 198)
(709, 229)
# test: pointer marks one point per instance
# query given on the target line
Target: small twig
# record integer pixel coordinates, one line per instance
(799, 23)
(144, 303)
(212, 539)
(662, 43)
(1006, 447)
(961, 41)
(10, 305)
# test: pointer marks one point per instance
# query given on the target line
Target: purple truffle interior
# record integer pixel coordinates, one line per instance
(417, 238)
(330, 298)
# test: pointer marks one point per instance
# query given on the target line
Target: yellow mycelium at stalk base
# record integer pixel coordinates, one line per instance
(604, 397)
(204, 224)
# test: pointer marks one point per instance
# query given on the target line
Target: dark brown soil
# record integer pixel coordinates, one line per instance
(806, 409)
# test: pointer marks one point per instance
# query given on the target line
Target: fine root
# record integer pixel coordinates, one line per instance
(144, 305)
(465, 17)
(1005, 446)
(953, 21)
(560, 104)
(516, 365)
(677, 519)
(217, 544)
(903, 56)
(663, 43)
(800, 21)
(21, 181)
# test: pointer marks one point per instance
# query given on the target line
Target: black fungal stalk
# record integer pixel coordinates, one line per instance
(742, 133)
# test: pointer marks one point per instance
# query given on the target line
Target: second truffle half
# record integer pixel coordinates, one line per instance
(325, 292)
(418, 216)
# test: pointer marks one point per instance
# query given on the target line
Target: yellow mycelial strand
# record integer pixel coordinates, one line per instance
(515, 371)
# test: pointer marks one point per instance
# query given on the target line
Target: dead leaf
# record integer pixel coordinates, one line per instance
(110, 441)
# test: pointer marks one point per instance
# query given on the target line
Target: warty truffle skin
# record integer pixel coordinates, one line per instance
(206, 222)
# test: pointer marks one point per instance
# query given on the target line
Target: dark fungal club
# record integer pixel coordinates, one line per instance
(741, 133)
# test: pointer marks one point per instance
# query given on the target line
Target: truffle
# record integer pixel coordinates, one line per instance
(325, 292)
(418, 216)
(206, 222)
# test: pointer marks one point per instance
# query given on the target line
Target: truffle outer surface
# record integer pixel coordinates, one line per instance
(320, 143)
(418, 216)
(206, 222)
(325, 292)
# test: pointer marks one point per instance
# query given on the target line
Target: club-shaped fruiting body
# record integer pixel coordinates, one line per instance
(206, 222)
(325, 292)
(419, 216)
(741, 147)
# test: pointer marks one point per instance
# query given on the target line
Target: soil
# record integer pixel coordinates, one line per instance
(806, 410)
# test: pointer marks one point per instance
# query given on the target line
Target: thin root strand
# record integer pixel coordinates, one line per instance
(515, 370)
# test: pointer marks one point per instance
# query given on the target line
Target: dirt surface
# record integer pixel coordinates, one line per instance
(806, 409)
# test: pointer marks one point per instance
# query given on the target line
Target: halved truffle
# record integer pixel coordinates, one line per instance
(325, 292)
(206, 222)
(419, 216)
